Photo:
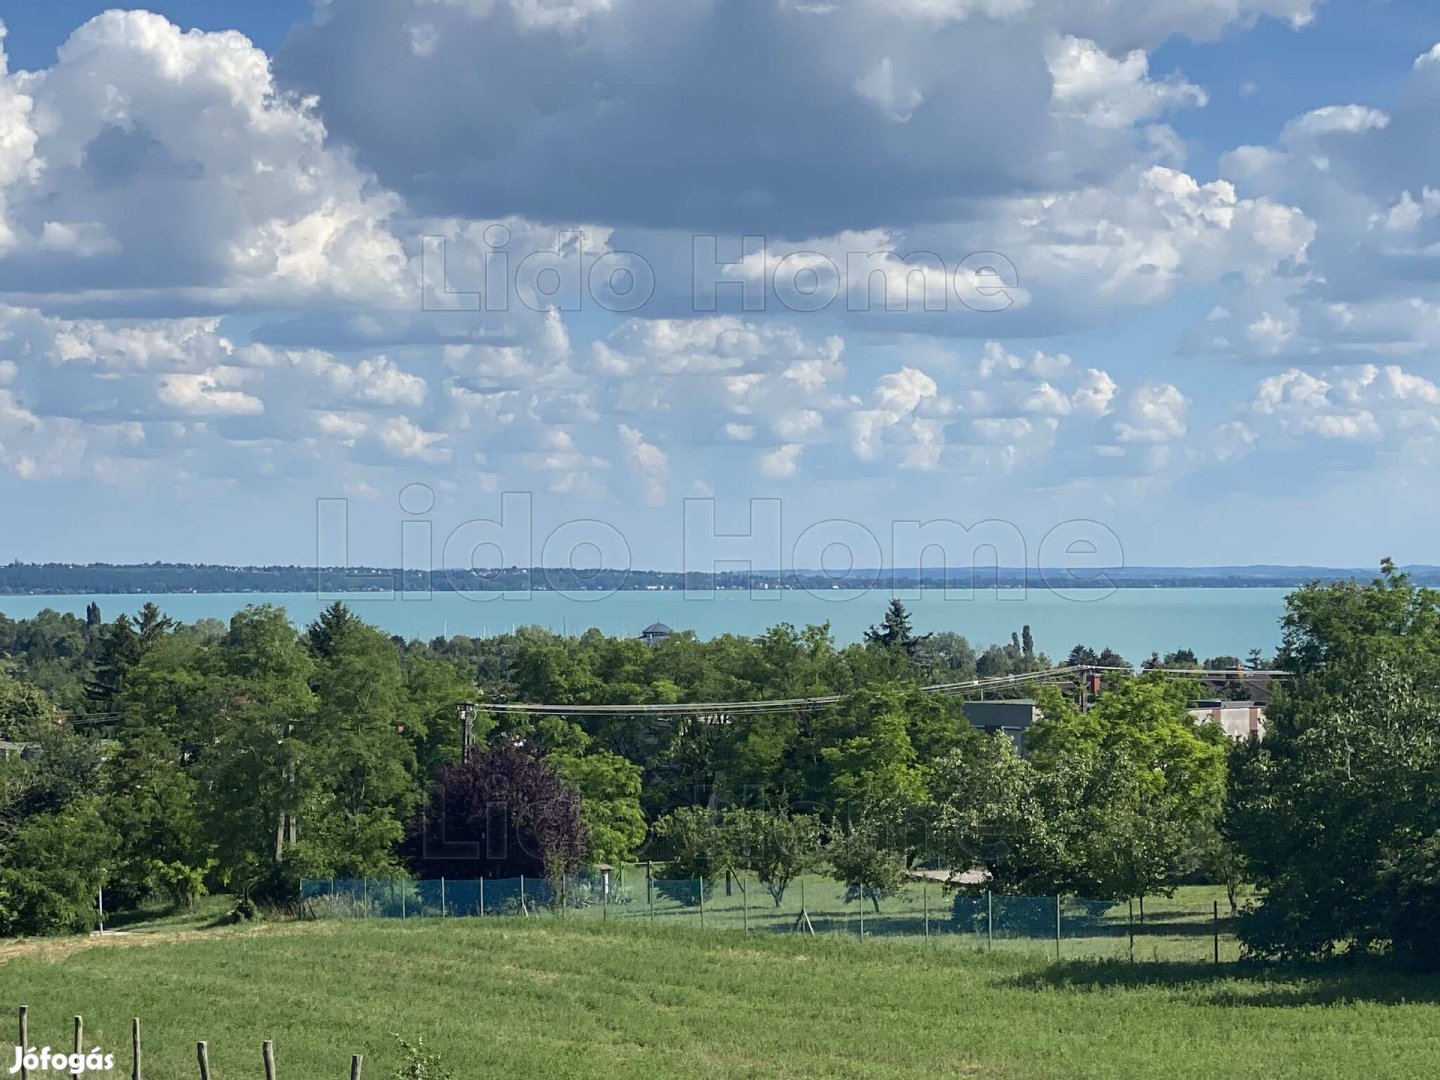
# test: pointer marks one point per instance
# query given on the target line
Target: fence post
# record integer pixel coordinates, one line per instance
(24, 1040)
(135, 1049)
(482, 897)
(925, 897)
(701, 883)
(862, 912)
(202, 1055)
(365, 895)
(267, 1053)
(442, 897)
(1216, 926)
(1057, 926)
(989, 921)
(745, 904)
(79, 1043)
(355, 1062)
(402, 902)
(523, 909)
(649, 894)
(1130, 926)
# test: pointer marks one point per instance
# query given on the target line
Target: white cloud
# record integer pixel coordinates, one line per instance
(650, 462)
(1154, 413)
(1109, 92)
(782, 462)
(153, 161)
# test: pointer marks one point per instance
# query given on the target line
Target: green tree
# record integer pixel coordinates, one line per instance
(24, 709)
(254, 777)
(894, 630)
(51, 869)
(691, 841)
(866, 861)
(775, 846)
(150, 805)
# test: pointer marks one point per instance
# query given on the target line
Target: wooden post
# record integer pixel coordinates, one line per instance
(356, 1060)
(79, 1042)
(202, 1055)
(135, 1048)
(24, 1040)
(267, 1052)
(1215, 924)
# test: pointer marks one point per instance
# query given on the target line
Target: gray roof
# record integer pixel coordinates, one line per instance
(657, 628)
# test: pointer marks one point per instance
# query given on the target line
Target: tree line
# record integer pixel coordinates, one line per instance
(245, 756)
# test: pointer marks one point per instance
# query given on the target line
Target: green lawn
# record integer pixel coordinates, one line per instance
(550, 998)
(1185, 926)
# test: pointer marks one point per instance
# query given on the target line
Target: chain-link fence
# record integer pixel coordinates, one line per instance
(1193, 925)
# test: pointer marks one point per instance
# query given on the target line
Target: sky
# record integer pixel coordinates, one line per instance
(671, 283)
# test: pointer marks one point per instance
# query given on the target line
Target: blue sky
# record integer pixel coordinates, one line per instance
(1155, 275)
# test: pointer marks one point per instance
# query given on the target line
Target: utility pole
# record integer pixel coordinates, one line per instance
(467, 728)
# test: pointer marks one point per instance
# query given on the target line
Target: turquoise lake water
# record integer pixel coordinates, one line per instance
(1135, 622)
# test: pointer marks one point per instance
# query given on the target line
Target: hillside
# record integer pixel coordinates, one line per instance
(546, 999)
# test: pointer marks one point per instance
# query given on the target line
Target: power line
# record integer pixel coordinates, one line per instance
(821, 701)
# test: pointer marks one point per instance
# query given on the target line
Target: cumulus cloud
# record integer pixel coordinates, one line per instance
(150, 161)
(894, 102)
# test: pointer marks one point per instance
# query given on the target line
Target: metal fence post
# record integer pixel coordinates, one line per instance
(862, 912)
(745, 904)
(1216, 926)
(989, 921)
(925, 898)
(402, 902)
(1130, 927)
(482, 896)
(1057, 926)
(442, 897)
(523, 909)
(700, 882)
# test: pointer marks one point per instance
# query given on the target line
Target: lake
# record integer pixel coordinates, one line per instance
(1135, 622)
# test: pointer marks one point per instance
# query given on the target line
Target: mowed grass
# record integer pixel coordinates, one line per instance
(559, 998)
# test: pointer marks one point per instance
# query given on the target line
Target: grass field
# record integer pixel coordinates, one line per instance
(1186, 926)
(552, 998)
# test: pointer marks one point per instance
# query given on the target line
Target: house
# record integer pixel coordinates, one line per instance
(655, 633)
(1010, 717)
(1238, 719)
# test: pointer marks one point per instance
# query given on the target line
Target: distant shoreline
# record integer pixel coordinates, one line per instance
(106, 579)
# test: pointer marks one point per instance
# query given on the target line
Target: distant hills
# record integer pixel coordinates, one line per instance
(19, 578)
